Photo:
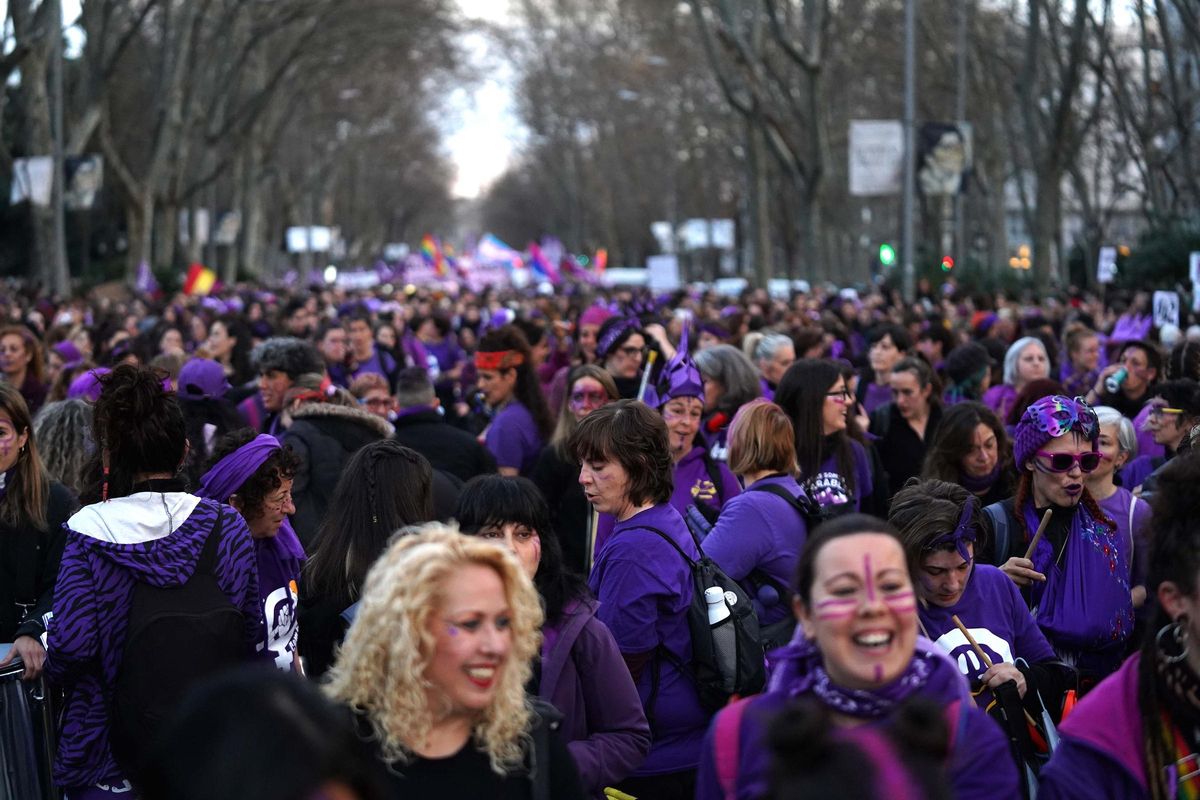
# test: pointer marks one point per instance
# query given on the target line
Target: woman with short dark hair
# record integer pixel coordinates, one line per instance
(644, 585)
(522, 424)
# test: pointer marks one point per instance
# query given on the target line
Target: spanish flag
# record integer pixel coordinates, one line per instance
(200, 280)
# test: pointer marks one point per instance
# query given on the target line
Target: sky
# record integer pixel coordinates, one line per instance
(480, 125)
(482, 129)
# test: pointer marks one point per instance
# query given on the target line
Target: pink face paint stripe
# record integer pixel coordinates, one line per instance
(870, 577)
(878, 672)
(844, 601)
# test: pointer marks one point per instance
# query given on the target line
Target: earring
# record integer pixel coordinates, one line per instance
(1179, 634)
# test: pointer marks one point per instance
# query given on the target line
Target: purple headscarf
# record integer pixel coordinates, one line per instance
(227, 476)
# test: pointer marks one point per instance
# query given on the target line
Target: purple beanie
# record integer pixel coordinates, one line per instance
(68, 352)
(596, 315)
(1049, 418)
(87, 386)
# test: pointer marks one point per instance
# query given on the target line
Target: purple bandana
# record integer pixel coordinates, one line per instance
(962, 534)
(228, 475)
(614, 333)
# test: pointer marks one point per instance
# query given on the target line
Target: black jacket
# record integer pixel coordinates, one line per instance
(29, 561)
(324, 436)
(900, 449)
(448, 448)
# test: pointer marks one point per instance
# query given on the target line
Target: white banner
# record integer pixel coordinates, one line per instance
(1106, 267)
(876, 155)
(1166, 309)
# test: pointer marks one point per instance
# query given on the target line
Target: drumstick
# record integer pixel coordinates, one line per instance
(974, 644)
(1037, 537)
(982, 655)
(650, 357)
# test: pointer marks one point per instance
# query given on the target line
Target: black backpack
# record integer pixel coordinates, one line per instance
(713, 685)
(177, 636)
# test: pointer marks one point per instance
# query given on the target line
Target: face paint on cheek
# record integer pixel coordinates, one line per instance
(836, 608)
(901, 602)
(452, 630)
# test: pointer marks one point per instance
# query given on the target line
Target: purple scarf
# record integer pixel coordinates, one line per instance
(228, 475)
(979, 485)
(801, 670)
(1084, 603)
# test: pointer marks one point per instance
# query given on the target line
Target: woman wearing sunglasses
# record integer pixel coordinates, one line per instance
(556, 473)
(1076, 580)
(1173, 410)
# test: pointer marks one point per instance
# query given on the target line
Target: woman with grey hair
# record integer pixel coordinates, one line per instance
(1025, 361)
(1118, 445)
(63, 429)
(730, 381)
(773, 354)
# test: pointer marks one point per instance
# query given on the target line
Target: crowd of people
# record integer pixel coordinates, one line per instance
(456, 544)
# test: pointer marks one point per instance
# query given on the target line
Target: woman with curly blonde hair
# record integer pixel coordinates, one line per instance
(435, 666)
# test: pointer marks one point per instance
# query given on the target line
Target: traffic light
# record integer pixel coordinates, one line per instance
(947, 263)
(887, 254)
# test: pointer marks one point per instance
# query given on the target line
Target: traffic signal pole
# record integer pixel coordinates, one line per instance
(910, 145)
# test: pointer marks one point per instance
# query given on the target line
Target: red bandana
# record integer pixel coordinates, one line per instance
(499, 359)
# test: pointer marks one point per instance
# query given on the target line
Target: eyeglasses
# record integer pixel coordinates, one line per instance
(589, 398)
(1065, 462)
(631, 351)
(842, 396)
(1158, 411)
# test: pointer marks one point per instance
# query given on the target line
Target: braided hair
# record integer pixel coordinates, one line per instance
(139, 428)
(384, 487)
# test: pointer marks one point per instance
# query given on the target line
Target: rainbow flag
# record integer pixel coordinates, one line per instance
(200, 280)
(431, 251)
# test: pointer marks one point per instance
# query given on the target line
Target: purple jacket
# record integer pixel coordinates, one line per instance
(585, 678)
(111, 546)
(979, 765)
(1101, 751)
(1000, 399)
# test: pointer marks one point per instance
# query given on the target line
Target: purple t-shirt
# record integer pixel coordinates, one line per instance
(829, 488)
(876, 395)
(513, 438)
(375, 364)
(694, 484)
(1116, 507)
(760, 530)
(992, 610)
(645, 590)
(1000, 399)
(279, 559)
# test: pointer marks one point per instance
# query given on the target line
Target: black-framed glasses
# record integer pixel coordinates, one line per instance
(842, 395)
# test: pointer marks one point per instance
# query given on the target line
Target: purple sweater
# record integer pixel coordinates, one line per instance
(110, 547)
(585, 678)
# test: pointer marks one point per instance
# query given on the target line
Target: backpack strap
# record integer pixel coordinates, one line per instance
(1000, 532)
(727, 746)
(803, 507)
(690, 561)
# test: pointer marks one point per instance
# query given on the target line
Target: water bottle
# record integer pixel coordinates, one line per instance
(723, 636)
(1113, 382)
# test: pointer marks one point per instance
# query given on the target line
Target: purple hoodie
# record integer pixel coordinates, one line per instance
(148, 537)
(585, 678)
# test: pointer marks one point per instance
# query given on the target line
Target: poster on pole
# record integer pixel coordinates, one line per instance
(1106, 267)
(662, 273)
(1166, 309)
(876, 157)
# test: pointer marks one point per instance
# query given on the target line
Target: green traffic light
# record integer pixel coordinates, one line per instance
(887, 255)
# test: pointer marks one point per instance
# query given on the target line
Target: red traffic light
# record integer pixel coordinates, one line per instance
(947, 263)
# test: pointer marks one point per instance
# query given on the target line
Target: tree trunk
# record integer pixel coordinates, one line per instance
(1045, 229)
(34, 106)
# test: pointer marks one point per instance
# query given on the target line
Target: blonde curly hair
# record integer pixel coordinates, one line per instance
(381, 667)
